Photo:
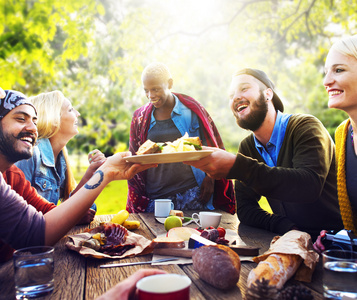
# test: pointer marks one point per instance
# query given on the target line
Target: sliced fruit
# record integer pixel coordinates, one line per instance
(183, 233)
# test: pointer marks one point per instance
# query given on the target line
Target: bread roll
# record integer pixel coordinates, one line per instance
(218, 265)
(148, 147)
(178, 213)
(277, 268)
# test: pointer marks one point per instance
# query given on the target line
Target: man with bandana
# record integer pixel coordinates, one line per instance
(288, 158)
(21, 225)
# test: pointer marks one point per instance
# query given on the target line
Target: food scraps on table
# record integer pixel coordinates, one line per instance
(109, 240)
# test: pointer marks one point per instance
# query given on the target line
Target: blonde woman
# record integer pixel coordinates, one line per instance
(49, 170)
(341, 85)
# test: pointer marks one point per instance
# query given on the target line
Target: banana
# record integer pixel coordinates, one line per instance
(120, 217)
(131, 225)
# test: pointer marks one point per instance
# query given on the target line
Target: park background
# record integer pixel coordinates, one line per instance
(95, 50)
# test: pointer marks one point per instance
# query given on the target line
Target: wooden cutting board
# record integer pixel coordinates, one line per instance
(180, 252)
(186, 252)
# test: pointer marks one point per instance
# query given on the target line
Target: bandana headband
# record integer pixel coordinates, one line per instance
(12, 100)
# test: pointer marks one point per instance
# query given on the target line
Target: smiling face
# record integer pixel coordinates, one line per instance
(157, 90)
(341, 81)
(248, 102)
(18, 133)
(69, 119)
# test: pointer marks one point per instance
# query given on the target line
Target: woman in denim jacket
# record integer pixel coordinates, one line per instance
(48, 169)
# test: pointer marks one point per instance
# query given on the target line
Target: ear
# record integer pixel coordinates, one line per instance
(171, 83)
(269, 94)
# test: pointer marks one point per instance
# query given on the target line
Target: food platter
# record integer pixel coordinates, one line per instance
(164, 158)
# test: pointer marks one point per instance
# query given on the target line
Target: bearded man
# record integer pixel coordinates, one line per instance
(288, 158)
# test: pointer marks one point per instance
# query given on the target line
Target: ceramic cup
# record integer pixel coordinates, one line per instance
(207, 218)
(164, 287)
(163, 207)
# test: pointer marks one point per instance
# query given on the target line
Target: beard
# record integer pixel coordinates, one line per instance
(7, 146)
(257, 115)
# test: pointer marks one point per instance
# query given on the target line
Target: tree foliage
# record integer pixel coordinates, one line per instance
(94, 52)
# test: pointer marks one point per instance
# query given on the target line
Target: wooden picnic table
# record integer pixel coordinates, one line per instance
(77, 277)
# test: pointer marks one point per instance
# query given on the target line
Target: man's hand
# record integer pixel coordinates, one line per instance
(207, 189)
(217, 165)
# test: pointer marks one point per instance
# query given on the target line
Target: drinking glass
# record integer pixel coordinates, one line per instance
(339, 274)
(34, 268)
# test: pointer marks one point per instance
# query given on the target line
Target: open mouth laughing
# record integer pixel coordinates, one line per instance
(28, 139)
(241, 108)
(332, 93)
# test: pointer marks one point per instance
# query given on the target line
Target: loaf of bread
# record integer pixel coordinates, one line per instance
(277, 268)
(167, 242)
(218, 265)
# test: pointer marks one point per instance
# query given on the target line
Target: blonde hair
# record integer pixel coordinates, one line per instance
(157, 70)
(49, 110)
(346, 46)
(49, 106)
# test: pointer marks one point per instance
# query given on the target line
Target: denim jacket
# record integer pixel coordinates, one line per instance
(41, 171)
(186, 121)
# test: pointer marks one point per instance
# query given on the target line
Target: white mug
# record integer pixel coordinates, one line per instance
(207, 218)
(163, 207)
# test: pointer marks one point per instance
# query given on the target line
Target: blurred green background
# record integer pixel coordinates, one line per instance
(95, 50)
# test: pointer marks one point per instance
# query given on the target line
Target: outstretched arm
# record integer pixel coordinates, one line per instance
(63, 217)
(217, 165)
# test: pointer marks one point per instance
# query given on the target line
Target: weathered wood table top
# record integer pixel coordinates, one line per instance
(77, 277)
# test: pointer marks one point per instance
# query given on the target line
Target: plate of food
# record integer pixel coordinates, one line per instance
(162, 158)
(183, 149)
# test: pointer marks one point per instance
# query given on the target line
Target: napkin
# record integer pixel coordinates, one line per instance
(298, 243)
(142, 245)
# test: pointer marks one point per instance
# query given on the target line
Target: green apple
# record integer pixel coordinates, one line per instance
(171, 222)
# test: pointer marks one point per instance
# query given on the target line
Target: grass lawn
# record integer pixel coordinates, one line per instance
(113, 197)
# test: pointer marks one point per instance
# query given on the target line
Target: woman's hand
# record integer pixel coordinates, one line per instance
(207, 189)
(95, 158)
(318, 245)
(126, 289)
(88, 217)
(118, 168)
(2, 93)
